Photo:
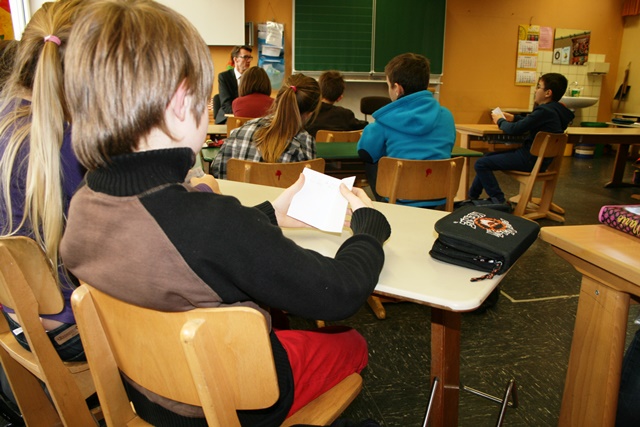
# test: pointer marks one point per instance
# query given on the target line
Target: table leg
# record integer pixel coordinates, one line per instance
(618, 168)
(445, 364)
(466, 168)
(593, 377)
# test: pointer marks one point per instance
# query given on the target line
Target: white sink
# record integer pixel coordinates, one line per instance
(574, 102)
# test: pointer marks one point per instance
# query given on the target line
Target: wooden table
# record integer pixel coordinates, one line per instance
(409, 274)
(608, 261)
(577, 135)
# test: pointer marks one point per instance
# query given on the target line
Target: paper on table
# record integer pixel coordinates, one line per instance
(320, 203)
(498, 111)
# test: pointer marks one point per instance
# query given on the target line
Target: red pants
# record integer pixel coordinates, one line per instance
(321, 358)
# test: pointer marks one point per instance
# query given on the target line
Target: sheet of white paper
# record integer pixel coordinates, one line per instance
(271, 51)
(320, 203)
(498, 111)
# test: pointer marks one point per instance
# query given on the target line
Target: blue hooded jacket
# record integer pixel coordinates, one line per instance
(412, 127)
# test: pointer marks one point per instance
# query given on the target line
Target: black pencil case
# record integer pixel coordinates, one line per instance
(483, 239)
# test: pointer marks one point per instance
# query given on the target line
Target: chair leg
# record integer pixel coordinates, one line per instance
(511, 391)
(35, 406)
(432, 396)
(376, 305)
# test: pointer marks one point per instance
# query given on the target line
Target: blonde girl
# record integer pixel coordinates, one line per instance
(279, 137)
(38, 169)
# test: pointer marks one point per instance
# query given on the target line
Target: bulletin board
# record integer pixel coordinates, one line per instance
(361, 36)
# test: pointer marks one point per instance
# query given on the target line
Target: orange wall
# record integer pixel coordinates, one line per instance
(480, 47)
(481, 43)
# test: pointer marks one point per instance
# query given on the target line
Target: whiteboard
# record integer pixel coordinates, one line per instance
(220, 22)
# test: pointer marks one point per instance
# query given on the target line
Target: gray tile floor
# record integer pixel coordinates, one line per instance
(526, 336)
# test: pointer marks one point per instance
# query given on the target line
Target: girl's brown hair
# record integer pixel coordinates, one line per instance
(254, 80)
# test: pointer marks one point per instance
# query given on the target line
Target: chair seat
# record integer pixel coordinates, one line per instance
(338, 398)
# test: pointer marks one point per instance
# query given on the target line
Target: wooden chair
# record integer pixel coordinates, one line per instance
(280, 175)
(235, 122)
(545, 145)
(216, 358)
(371, 104)
(28, 286)
(416, 180)
(338, 136)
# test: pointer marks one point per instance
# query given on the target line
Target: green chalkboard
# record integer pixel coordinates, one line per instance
(361, 36)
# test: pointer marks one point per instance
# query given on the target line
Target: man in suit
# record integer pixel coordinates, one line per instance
(228, 81)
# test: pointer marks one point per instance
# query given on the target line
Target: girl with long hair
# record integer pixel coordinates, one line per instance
(279, 137)
(38, 169)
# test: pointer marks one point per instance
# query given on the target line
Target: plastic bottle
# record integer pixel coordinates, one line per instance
(575, 89)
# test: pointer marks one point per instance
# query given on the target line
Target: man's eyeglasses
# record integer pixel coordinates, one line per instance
(245, 57)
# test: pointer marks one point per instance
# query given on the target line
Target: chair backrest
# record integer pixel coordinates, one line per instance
(338, 135)
(148, 347)
(419, 179)
(28, 286)
(280, 175)
(370, 104)
(236, 122)
(547, 145)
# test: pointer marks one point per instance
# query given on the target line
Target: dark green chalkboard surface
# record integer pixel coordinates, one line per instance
(361, 36)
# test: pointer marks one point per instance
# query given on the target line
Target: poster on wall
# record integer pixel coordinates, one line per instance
(271, 52)
(527, 58)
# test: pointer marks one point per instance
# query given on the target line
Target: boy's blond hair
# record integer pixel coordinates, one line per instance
(125, 61)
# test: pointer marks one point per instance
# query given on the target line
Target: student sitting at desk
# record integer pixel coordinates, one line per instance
(330, 116)
(254, 98)
(548, 115)
(279, 137)
(137, 232)
(413, 126)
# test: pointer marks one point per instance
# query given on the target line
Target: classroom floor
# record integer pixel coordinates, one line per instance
(526, 336)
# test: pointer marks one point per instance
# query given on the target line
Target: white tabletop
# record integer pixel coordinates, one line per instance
(409, 271)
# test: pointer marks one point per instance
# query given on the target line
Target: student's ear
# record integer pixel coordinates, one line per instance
(340, 98)
(398, 89)
(179, 104)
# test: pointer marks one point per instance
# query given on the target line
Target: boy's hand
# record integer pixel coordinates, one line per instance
(281, 205)
(207, 180)
(507, 116)
(357, 197)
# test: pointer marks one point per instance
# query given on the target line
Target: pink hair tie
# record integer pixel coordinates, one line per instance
(295, 89)
(52, 38)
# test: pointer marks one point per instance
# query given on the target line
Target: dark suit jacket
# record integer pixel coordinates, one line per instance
(228, 90)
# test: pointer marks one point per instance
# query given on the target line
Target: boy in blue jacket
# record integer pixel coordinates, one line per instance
(548, 115)
(414, 126)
